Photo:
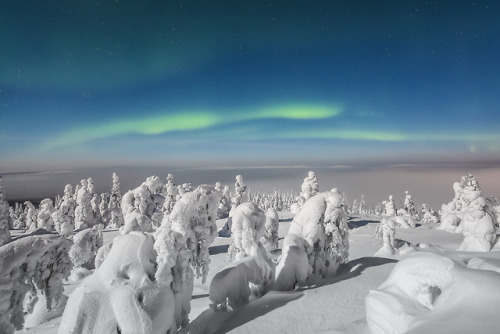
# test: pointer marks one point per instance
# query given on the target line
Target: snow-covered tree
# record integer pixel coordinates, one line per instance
(142, 207)
(34, 265)
(103, 208)
(477, 224)
(64, 216)
(114, 207)
(85, 247)
(170, 193)
(182, 243)
(390, 207)
(239, 193)
(225, 203)
(31, 216)
(4, 216)
(429, 216)
(310, 186)
(84, 216)
(317, 242)
(385, 233)
(250, 273)
(270, 238)
(44, 218)
(122, 295)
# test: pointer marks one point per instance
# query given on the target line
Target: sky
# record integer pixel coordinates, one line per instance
(90, 85)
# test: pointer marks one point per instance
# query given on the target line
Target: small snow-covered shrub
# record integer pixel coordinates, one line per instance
(122, 295)
(320, 231)
(390, 207)
(85, 247)
(36, 265)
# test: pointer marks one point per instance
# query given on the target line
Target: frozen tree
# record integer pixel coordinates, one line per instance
(251, 274)
(239, 193)
(84, 216)
(64, 216)
(409, 206)
(122, 295)
(91, 186)
(429, 216)
(114, 208)
(104, 208)
(96, 212)
(31, 217)
(33, 267)
(390, 207)
(225, 203)
(44, 219)
(85, 247)
(317, 242)
(182, 245)
(170, 193)
(142, 206)
(468, 213)
(270, 238)
(385, 233)
(299, 202)
(477, 224)
(4, 216)
(309, 187)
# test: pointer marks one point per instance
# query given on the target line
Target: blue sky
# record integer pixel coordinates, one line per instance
(87, 84)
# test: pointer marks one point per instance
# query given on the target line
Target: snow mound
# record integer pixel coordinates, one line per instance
(122, 295)
(425, 292)
(32, 267)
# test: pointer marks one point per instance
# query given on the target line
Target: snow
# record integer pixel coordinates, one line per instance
(332, 276)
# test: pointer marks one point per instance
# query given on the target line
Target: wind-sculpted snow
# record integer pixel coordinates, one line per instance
(35, 266)
(430, 293)
(320, 232)
(122, 295)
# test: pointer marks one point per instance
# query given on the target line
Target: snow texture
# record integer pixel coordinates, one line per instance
(320, 231)
(426, 291)
(122, 295)
(33, 266)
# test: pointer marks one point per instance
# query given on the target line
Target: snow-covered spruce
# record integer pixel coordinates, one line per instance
(170, 193)
(122, 295)
(44, 218)
(182, 243)
(251, 273)
(142, 207)
(85, 247)
(84, 216)
(429, 216)
(317, 242)
(64, 216)
(4, 216)
(390, 207)
(270, 238)
(239, 194)
(309, 187)
(31, 216)
(35, 264)
(468, 213)
(114, 206)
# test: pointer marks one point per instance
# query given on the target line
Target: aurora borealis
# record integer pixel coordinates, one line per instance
(248, 83)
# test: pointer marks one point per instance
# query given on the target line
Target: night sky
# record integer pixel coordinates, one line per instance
(88, 84)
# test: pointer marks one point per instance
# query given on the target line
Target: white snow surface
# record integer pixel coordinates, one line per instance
(337, 304)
